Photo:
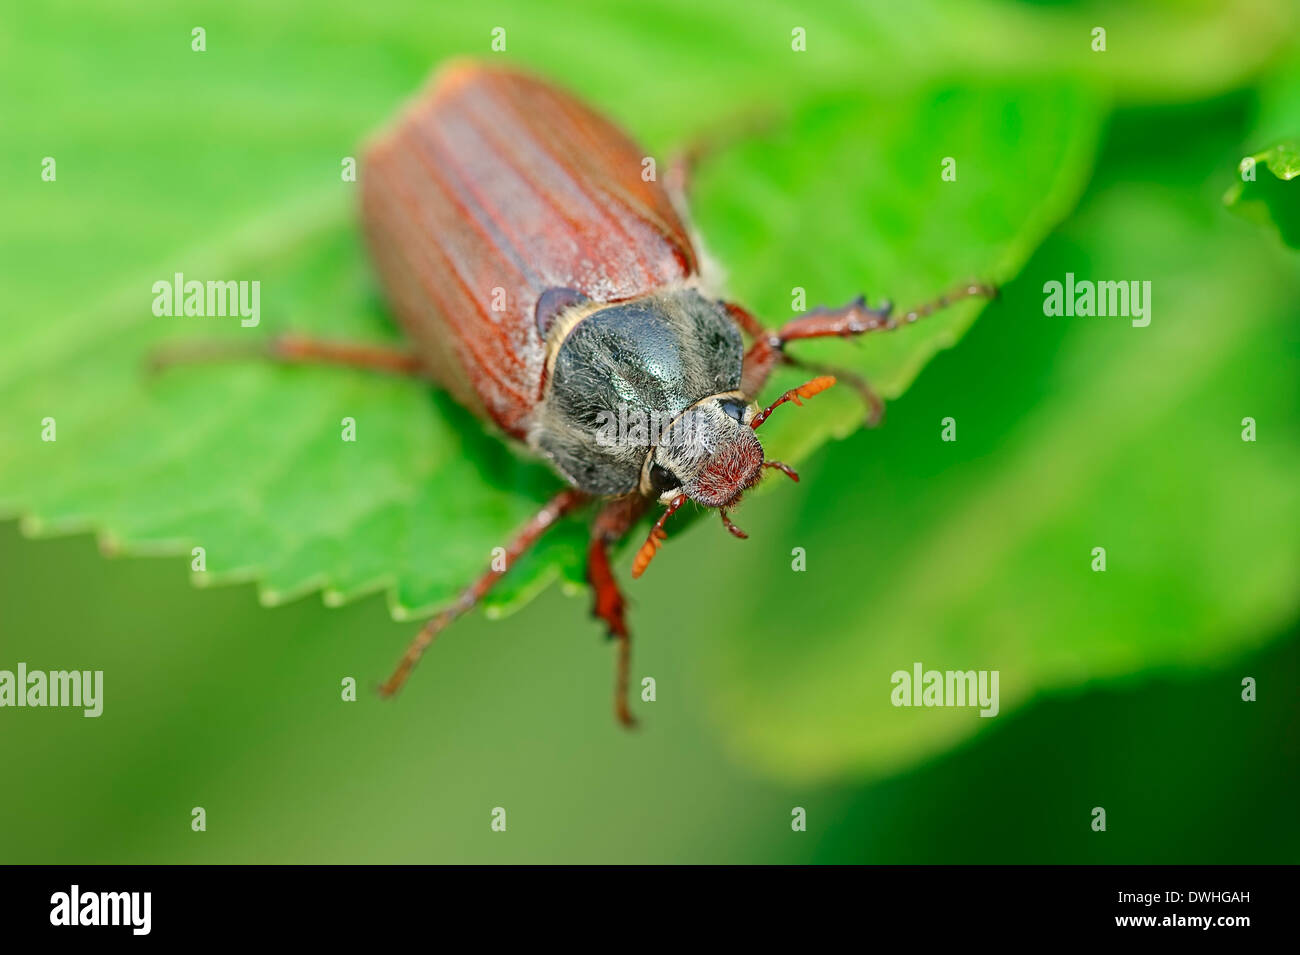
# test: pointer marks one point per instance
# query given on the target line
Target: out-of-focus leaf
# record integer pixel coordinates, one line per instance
(1265, 192)
(978, 554)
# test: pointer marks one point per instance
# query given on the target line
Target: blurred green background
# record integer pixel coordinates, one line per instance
(1119, 690)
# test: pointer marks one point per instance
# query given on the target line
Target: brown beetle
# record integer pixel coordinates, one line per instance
(556, 293)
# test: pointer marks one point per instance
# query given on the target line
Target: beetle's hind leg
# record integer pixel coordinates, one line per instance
(295, 350)
(528, 535)
(611, 524)
(686, 159)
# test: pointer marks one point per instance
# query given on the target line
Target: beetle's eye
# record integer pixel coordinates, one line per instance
(734, 407)
(661, 479)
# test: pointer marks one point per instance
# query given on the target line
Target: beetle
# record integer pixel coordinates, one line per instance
(552, 289)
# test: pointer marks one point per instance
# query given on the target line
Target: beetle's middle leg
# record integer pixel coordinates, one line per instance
(609, 527)
(528, 535)
(847, 321)
(296, 350)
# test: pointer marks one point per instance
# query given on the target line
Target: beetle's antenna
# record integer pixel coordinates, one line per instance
(806, 390)
(655, 538)
(784, 468)
(726, 522)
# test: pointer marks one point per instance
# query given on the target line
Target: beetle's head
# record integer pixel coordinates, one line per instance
(710, 454)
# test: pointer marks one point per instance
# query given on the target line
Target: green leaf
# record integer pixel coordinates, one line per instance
(1270, 199)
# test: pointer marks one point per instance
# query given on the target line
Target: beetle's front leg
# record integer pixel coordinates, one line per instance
(847, 321)
(609, 527)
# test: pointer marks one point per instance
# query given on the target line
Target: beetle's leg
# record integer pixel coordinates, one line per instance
(760, 361)
(875, 404)
(526, 537)
(613, 521)
(747, 321)
(680, 172)
(763, 357)
(293, 349)
(683, 162)
(610, 607)
(847, 321)
(768, 351)
(856, 318)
